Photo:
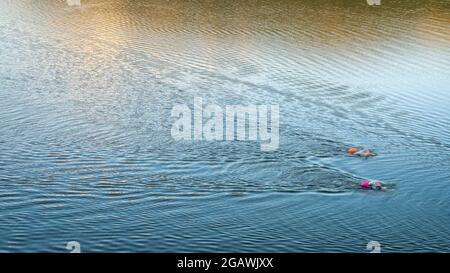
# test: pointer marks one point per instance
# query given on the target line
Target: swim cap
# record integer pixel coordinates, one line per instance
(352, 150)
(365, 184)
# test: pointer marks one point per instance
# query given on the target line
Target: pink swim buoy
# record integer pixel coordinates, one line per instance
(365, 184)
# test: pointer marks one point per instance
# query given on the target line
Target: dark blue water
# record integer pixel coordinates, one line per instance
(85, 147)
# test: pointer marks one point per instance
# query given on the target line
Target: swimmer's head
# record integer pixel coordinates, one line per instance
(378, 185)
(352, 150)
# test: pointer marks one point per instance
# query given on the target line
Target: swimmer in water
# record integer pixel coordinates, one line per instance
(374, 185)
(365, 152)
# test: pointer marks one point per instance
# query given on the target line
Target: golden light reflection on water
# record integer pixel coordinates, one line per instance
(322, 20)
(335, 40)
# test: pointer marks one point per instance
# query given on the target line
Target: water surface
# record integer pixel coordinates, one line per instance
(85, 146)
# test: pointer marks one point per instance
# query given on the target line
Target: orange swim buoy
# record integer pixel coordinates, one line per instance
(352, 150)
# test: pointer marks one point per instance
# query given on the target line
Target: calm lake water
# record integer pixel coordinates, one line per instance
(85, 147)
